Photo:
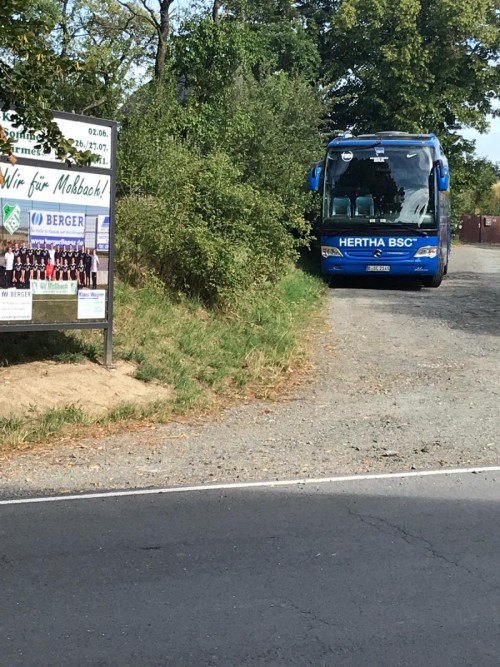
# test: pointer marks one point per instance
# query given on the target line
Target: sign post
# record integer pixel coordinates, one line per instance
(60, 222)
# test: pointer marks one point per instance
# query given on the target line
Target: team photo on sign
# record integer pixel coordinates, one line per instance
(26, 265)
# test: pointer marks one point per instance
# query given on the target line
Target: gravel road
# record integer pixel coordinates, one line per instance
(405, 378)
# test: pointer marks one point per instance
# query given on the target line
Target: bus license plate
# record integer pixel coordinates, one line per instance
(378, 267)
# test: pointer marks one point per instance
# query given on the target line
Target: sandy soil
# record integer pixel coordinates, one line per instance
(39, 386)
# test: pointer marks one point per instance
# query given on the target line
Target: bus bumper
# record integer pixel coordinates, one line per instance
(335, 266)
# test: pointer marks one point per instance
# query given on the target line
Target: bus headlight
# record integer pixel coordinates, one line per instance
(330, 251)
(430, 251)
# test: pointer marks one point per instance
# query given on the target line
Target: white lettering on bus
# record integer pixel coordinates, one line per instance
(361, 242)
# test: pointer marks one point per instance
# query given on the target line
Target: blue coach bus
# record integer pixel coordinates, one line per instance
(385, 206)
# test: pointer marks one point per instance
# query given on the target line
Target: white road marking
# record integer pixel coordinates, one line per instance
(252, 485)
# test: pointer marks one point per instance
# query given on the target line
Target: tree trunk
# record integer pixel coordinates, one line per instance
(65, 40)
(216, 10)
(163, 29)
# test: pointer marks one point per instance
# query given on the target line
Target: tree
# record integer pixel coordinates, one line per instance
(159, 19)
(414, 65)
(28, 68)
(474, 180)
(216, 155)
(196, 220)
(280, 40)
(110, 45)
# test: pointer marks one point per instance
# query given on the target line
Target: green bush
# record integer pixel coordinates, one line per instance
(222, 239)
(213, 222)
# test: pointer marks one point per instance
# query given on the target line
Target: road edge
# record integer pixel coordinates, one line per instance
(251, 485)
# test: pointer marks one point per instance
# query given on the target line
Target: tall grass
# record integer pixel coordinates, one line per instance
(204, 353)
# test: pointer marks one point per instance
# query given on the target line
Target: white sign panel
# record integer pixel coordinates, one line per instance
(16, 305)
(59, 287)
(91, 304)
(57, 227)
(49, 185)
(87, 137)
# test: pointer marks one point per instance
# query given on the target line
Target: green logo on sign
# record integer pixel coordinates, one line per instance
(11, 218)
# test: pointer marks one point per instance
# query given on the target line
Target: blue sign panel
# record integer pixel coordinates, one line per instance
(102, 232)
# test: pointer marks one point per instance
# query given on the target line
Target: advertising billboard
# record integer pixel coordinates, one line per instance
(57, 230)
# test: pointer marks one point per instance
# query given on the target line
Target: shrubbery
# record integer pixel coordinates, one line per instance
(213, 181)
(212, 235)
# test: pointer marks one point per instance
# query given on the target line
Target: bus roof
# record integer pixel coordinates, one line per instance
(391, 138)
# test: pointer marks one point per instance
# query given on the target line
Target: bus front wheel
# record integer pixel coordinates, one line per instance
(435, 280)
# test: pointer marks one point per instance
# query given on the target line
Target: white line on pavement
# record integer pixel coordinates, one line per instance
(251, 485)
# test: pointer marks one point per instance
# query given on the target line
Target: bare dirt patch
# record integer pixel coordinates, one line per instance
(43, 385)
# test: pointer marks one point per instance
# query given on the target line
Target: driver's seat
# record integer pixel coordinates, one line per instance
(341, 206)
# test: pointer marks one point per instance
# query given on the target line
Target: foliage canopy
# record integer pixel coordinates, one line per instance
(222, 107)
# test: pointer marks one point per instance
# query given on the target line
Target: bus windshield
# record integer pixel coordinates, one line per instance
(387, 185)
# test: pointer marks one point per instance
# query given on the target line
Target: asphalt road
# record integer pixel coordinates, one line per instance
(372, 572)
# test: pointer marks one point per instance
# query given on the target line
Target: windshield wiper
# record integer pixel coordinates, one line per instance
(400, 225)
(336, 229)
(417, 230)
(395, 225)
(344, 228)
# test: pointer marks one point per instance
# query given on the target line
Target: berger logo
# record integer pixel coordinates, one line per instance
(11, 218)
(379, 150)
(46, 221)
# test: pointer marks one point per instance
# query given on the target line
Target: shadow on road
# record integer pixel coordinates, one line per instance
(400, 284)
(466, 301)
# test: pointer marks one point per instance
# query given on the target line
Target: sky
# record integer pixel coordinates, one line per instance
(487, 145)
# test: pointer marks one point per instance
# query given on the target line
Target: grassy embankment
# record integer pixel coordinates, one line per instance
(206, 357)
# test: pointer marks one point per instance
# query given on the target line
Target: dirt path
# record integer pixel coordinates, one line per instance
(404, 379)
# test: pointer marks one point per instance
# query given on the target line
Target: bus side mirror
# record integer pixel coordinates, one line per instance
(315, 176)
(443, 176)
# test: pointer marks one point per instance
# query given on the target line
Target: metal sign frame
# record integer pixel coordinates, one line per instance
(107, 324)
